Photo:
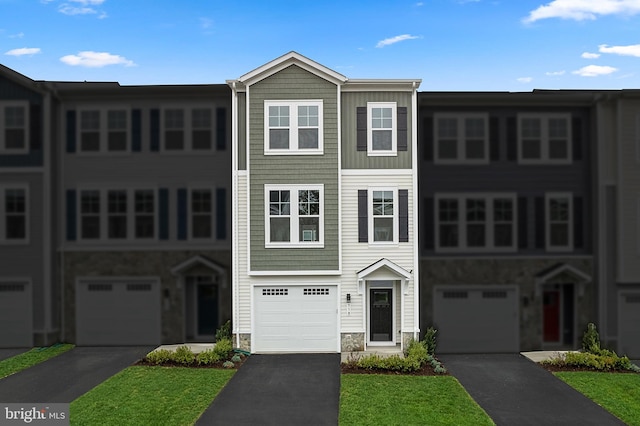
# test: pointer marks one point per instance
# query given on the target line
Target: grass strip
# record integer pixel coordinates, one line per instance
(142, 395)
(375, 399)
(30, 358)
(618, 393)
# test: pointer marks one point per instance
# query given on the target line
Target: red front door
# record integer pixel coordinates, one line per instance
(551, 316)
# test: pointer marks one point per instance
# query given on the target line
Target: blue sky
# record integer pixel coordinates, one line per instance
(452, 45)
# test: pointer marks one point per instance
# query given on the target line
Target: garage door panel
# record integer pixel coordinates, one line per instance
(16, 315)
(629, 324)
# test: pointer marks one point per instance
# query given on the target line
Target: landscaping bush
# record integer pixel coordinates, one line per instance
(224, 332)
(430, 340)
(184, 356)
(416, 355)
(160, 356)
(208, 357)
(223, 348)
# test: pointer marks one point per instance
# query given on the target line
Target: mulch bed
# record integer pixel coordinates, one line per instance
(218, 365)
(426, 370)
(559, 368)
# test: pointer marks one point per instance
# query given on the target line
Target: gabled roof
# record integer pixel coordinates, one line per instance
(20, 79)
(559, 268)
(384, 264)
(197, 260)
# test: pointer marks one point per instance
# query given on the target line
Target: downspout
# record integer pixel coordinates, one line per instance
(416, 231)
(234, 221)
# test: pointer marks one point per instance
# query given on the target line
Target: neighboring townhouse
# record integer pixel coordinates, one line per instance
(324, 178)
(507, 219)
(144, 212)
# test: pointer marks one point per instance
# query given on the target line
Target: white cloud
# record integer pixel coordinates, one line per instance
(82, 7)
(631, 50)
(524, 80)
(589, 55)
(595, 70)
(91, 59)
(396, 39)
(23, 51)
(19, 35)
(555, 73)
(580, 10)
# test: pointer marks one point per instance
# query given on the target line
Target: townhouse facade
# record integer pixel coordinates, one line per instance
(317, 213)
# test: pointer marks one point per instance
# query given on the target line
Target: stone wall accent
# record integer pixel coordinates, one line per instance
(406, 338)
(245, 341)
(351, 342)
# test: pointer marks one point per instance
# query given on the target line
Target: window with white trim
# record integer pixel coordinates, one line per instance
(187, 129)
(544, 139)
(559, 221)
(14, 213)
(384, 215)
(461, 139)
(201, 204)
(293, 127)
(476, 222)
(14, 127)
(294, 216)
(382, 137)
(104, 130)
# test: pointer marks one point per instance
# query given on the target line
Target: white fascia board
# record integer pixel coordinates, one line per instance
(381, 85)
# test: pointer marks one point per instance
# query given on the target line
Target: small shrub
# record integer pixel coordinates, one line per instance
(184, 356)
(223, 347)
(224, 332)
(158, 357)
(591, 361)
(208, 357)
(430, 340)
(236, 358)
(591, 339)
(228, 364)
(418, 350)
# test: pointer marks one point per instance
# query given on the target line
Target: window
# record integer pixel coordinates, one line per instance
(14, 213)
(383, 216)
(544, 139)
(117, 214)
(104, 130)
(14, 127)
(461, 139)
(295, 216)
(201, 213)
(559, 214)
(293, 127)
(381, 128)
(187, 129)
(472, 222)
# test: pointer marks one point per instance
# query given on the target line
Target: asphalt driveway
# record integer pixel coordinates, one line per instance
(69, 375)
(8, 353)
(515, 391)
(292, 389)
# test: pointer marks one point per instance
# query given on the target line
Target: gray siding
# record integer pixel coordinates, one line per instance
(242, 131)
(293, 83)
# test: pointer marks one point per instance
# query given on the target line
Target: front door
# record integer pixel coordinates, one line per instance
(381, 311)
(551, 315)
(207, 316)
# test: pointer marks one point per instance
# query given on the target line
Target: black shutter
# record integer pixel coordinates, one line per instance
(221, 213)
(72, 205)
(494, 139)
(182, 214)
(429, 224)
(163, 214)
(523, 224)
(540, 223)
(402, 128)
(403, 215)
(136, 130)
(512, 139)
(155, 129)
(221, 129)
(361, 128)
(35, 127)
(71, 131)
(577, 139)
(427, 138)
(363, 216)
(578, 222)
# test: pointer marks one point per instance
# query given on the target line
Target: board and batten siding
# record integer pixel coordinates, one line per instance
(357, 256)
(354, 159)
(289, 84)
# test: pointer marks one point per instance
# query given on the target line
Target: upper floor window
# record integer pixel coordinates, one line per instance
(382, 128)
(293, 127)
(295, 216)
(461, 138)
(544, 139)
(14, 127)
(104, 130)
(187, 129)
(466, 222)
(201, 213)
(14, 214)
(559, 221)
(384, 216)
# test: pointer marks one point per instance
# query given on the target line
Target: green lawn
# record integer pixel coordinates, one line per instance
(28, 359)
(372, 399)
(619, 393)
(150, 395)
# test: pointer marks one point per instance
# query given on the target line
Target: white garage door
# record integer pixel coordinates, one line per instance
(629, 324)
(296, 319)
(113, 313)
(473, 320)
(16, 315)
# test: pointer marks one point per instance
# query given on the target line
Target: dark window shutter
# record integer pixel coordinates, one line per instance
(403, 215)
(72, 205)
(512, 139)
(155, 129)
(427, 139)
(221, 213)
(363, 216)
(35, 127)
(577, 139)
(71, 131)
(361, 128)
(221, 129)
(402, 141)
(494, 139)
(523, 224)
(136, 130)
(578, 222)
(429, 224)
(163, 213)
(182, 214)
(540, 223)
